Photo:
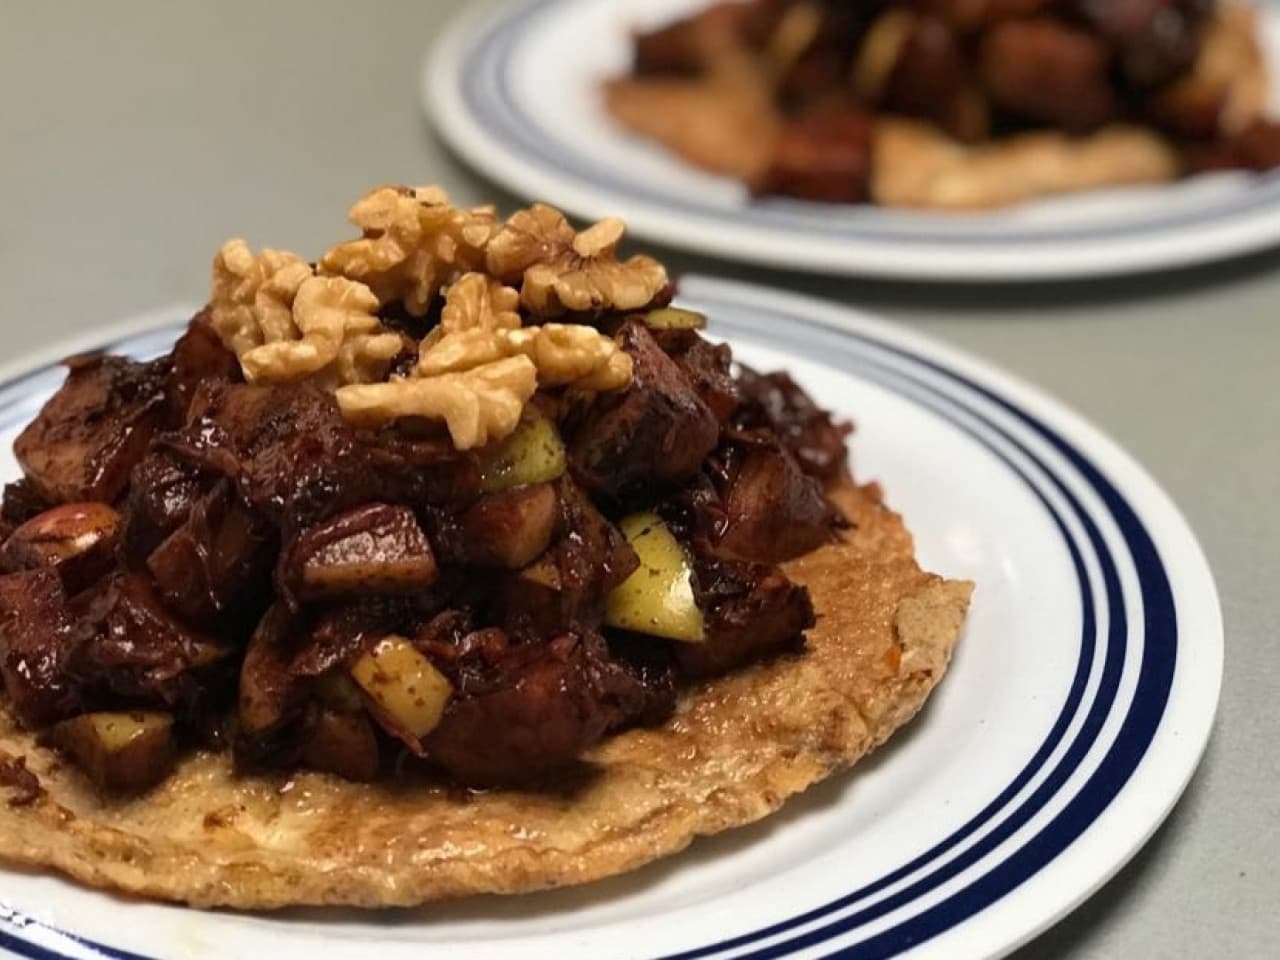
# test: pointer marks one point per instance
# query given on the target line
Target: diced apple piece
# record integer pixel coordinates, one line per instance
(534, 453)
(657, 598)
(121, 752)
(674, 318)
(406, 693)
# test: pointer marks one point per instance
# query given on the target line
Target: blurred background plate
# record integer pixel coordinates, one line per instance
(514, 88)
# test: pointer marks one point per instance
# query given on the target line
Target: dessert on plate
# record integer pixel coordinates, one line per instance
(456, 561)
(953, 104)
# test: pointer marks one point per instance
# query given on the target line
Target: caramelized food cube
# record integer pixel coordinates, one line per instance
(756, 612)
(1048, 71)
(37, 643)
(378, 548)
(220, 553)
(77, 539)
(509, 529)
(121, 752)
(658, 430)
(532, 601)
(198, 355)
(826, 158)
(658, 597)
(94, 430)
(774, 511)
(268, 690)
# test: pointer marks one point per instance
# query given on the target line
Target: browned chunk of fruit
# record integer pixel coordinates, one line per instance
(564, 590)
(531, 602)
(709, 366)
(509, 529)
(88, 437)
(37, 643)
(658, 430)
(377, 548)
(752, 611)
(217, 557)
(269, 692)
(774, 510)
(198, 355)
(1047, 71)
(76, 539)
(825, 158)
(161, 496)
(120, 752)
(138, 649)
(533, 712)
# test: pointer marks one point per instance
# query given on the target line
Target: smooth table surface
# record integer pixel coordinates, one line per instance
(136, 136)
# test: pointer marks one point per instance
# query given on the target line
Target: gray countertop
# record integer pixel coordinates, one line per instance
(136, 136)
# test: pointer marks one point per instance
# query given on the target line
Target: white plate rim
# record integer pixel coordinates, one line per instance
(1254, 223)
(1167, 760)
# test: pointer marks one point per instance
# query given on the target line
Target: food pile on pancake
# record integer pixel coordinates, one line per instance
(455, 561)
(954, 104)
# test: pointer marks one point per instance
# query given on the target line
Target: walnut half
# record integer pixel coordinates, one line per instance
(414, 243)
(479, 325)
(478, 406)
(561, 271)
(252, 295)
(284, 323)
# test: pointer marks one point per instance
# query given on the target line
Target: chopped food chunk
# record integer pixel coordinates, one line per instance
(407, 694)
(377, 548)
(94, 430)
(658, 597)
(533, 454)
(509, 529)
(121, 752)
(77, 539)
(657, 430)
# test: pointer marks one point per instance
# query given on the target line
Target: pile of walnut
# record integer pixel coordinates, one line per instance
(498, 286)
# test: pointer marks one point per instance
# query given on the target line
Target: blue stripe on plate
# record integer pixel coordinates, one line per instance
(487, 84)
(1136, 733)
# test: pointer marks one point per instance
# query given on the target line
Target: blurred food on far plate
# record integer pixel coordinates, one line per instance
(953, 104)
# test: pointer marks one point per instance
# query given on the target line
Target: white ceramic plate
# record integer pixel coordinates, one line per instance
(1080, 698)
(514, 89)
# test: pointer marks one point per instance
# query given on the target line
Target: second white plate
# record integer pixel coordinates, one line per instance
(514, 88)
